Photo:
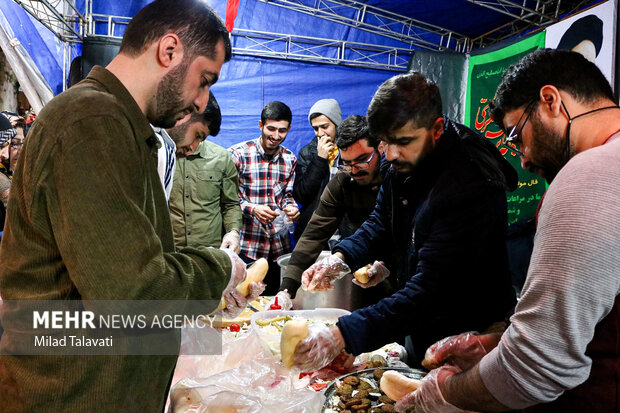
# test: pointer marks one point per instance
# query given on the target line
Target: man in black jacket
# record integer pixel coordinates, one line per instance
(442, 213)
(317, 162)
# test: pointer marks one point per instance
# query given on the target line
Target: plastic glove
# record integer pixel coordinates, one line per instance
(321, 346)
(284, 300)
(231, 241)
(463, 350)
(235, 301)
(377, 273)
(322, 274)
(428, 398)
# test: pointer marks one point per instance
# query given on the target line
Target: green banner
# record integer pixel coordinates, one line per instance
(484, 75)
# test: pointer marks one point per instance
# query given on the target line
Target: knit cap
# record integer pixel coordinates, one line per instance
(329, 108)
(7, 132)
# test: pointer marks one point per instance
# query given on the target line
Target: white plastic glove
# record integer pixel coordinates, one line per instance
(428, 398)
(235, 301)
(462, 350)
(377, 273)
(321, 346)
(231, 241)
(284, 300)
(322, 274)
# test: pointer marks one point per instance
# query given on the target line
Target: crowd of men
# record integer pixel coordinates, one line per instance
(118, 195)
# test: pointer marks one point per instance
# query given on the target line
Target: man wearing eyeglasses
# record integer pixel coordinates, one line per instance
(346, 203)
(441, 214)
(561, 352)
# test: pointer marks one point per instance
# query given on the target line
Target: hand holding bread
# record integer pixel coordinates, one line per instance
(371, 274)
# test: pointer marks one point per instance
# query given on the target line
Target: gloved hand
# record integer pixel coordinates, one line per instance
(284, 300)
(377, 273)
(428, 398)
(235, 301)
(231, 241)
(321, 346)
(322, 274)
(462, 350)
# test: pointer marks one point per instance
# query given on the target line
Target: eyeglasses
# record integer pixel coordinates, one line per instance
(16, 145)
(348, 167)
(513, 140)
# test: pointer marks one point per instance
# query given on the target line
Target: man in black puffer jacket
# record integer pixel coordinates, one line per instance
(442, 213)
(317, 162)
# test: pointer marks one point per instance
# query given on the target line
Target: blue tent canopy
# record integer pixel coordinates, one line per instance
(252, 79)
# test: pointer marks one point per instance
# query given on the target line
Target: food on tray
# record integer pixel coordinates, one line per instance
(397, 385)
(360, 392)
(293, 333)
(362, 275)
(378, 361)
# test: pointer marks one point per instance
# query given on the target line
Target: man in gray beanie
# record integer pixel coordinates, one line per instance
(318, 161)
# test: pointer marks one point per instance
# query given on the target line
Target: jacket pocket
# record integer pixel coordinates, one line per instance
(207, 185)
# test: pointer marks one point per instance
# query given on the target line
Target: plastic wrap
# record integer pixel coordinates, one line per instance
(257, 385)
(462, 350)
(323, 273)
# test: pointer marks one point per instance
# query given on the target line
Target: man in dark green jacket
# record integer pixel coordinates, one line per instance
(88, 218)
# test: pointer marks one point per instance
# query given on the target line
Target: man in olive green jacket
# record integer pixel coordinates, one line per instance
(204, 202)
(88, 219)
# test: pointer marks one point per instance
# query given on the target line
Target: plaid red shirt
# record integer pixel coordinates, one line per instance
(263, 181)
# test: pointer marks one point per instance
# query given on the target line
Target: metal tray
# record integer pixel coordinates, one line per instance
(330, 390)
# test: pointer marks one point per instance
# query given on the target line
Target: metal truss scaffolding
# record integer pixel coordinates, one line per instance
(529, 15)
(312, 49)
(62, 18)
(362, 16)
(59, 16)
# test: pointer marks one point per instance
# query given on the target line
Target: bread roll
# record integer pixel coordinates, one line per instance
(396, 385)
(255, 273)
(361, 275)
(293, 333)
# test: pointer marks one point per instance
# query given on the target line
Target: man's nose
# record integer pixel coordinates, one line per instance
(200, 103)
(391, 152)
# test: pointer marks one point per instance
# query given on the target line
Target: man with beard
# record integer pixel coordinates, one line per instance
(266, 172)
(88, 220)
(561, 352)
(350, 196)
(440, 215)
(204, 206)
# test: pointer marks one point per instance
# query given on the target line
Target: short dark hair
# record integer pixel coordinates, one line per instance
(315, 115)
(276, 111)
(196, 24)
(568, 71)
(401, 99)
(352, 129)
(212, 116)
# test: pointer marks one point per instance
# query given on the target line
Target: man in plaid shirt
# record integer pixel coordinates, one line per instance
(266, 175)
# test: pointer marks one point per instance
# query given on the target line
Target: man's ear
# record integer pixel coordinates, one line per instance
(260, 125)
(550, 101)
(437, 128)
(169, 50)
